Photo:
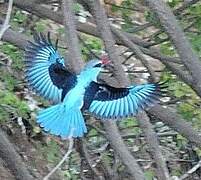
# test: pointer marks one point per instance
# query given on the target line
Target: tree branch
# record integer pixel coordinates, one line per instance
(177, 36)
(191, 171)
(110, 127)
(176, 122)
(6, 22)
(120, 148)
(12, 160)
(88, 27)
(21, 40)
(74, 55)
(15, 38)
(136, 50)
(66, 156)
(151, 137)
(144, 122)
(85, 153)
(185, 5)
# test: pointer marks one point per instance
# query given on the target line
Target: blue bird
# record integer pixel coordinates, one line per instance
(73, 94)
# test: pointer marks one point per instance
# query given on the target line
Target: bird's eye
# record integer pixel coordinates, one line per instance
(98, 65)
(59, 60)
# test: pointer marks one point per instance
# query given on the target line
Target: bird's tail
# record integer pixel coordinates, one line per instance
(62, 121)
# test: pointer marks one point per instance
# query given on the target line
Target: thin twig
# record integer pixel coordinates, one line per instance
(137, 51)
(191, 171)
(6, 22)
(177, 36)
(66, 156)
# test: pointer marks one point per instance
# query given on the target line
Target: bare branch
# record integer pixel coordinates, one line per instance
(176, 122)
(157, 55)
(177, 36)
(121, 149)
(74, 54)
(90, 162)
(12, 159)
(6, 22)
(110, 127)
(191, 171)
(88, 27)
(136, 50)
(163, 114)
(143, 119)
(185, 5)
(15, 38)
(151, 137)
(66, 156)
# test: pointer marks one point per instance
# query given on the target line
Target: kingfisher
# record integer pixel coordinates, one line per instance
(73, 94)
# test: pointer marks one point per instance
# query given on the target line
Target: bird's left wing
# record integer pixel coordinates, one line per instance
(45, 69)
(108, 102)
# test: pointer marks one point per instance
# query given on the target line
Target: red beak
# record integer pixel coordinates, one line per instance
(105, 60)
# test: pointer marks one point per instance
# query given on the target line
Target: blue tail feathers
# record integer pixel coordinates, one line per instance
(59, 120)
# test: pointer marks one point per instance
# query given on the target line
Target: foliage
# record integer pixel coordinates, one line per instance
(126, 13)
(173, 3)
(40, 26)
(19, 19)
(11, 103)
(149, 175)
(51, 151)
(90, 43)
(15, 54)
(188, 104)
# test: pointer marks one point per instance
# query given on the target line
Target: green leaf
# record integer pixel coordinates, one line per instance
(19, 17)
(51, 151)
(15, 54)
(173, 3)
(149, 175)
(40, 26)
(187, 110)
(18, 106)
(167, 49)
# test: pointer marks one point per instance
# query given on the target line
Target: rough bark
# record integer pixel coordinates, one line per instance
(74, 54)
(165, 115)
(177, 127)
(12, 160)
(144, 121)
(88, 28)
(176, 122)
(110, 127)
(15, 38)
(189, 58)
(113, 135)
(154, 148)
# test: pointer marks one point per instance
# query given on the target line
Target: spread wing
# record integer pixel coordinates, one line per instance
(108, 102)
(45, 69)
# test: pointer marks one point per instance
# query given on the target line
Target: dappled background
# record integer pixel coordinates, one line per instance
(146, 44)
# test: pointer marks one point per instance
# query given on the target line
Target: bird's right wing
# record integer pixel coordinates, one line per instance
(45, 69)
(108, 102)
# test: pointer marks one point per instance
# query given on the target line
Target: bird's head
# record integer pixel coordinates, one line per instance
(94, 67)
(98, 63)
